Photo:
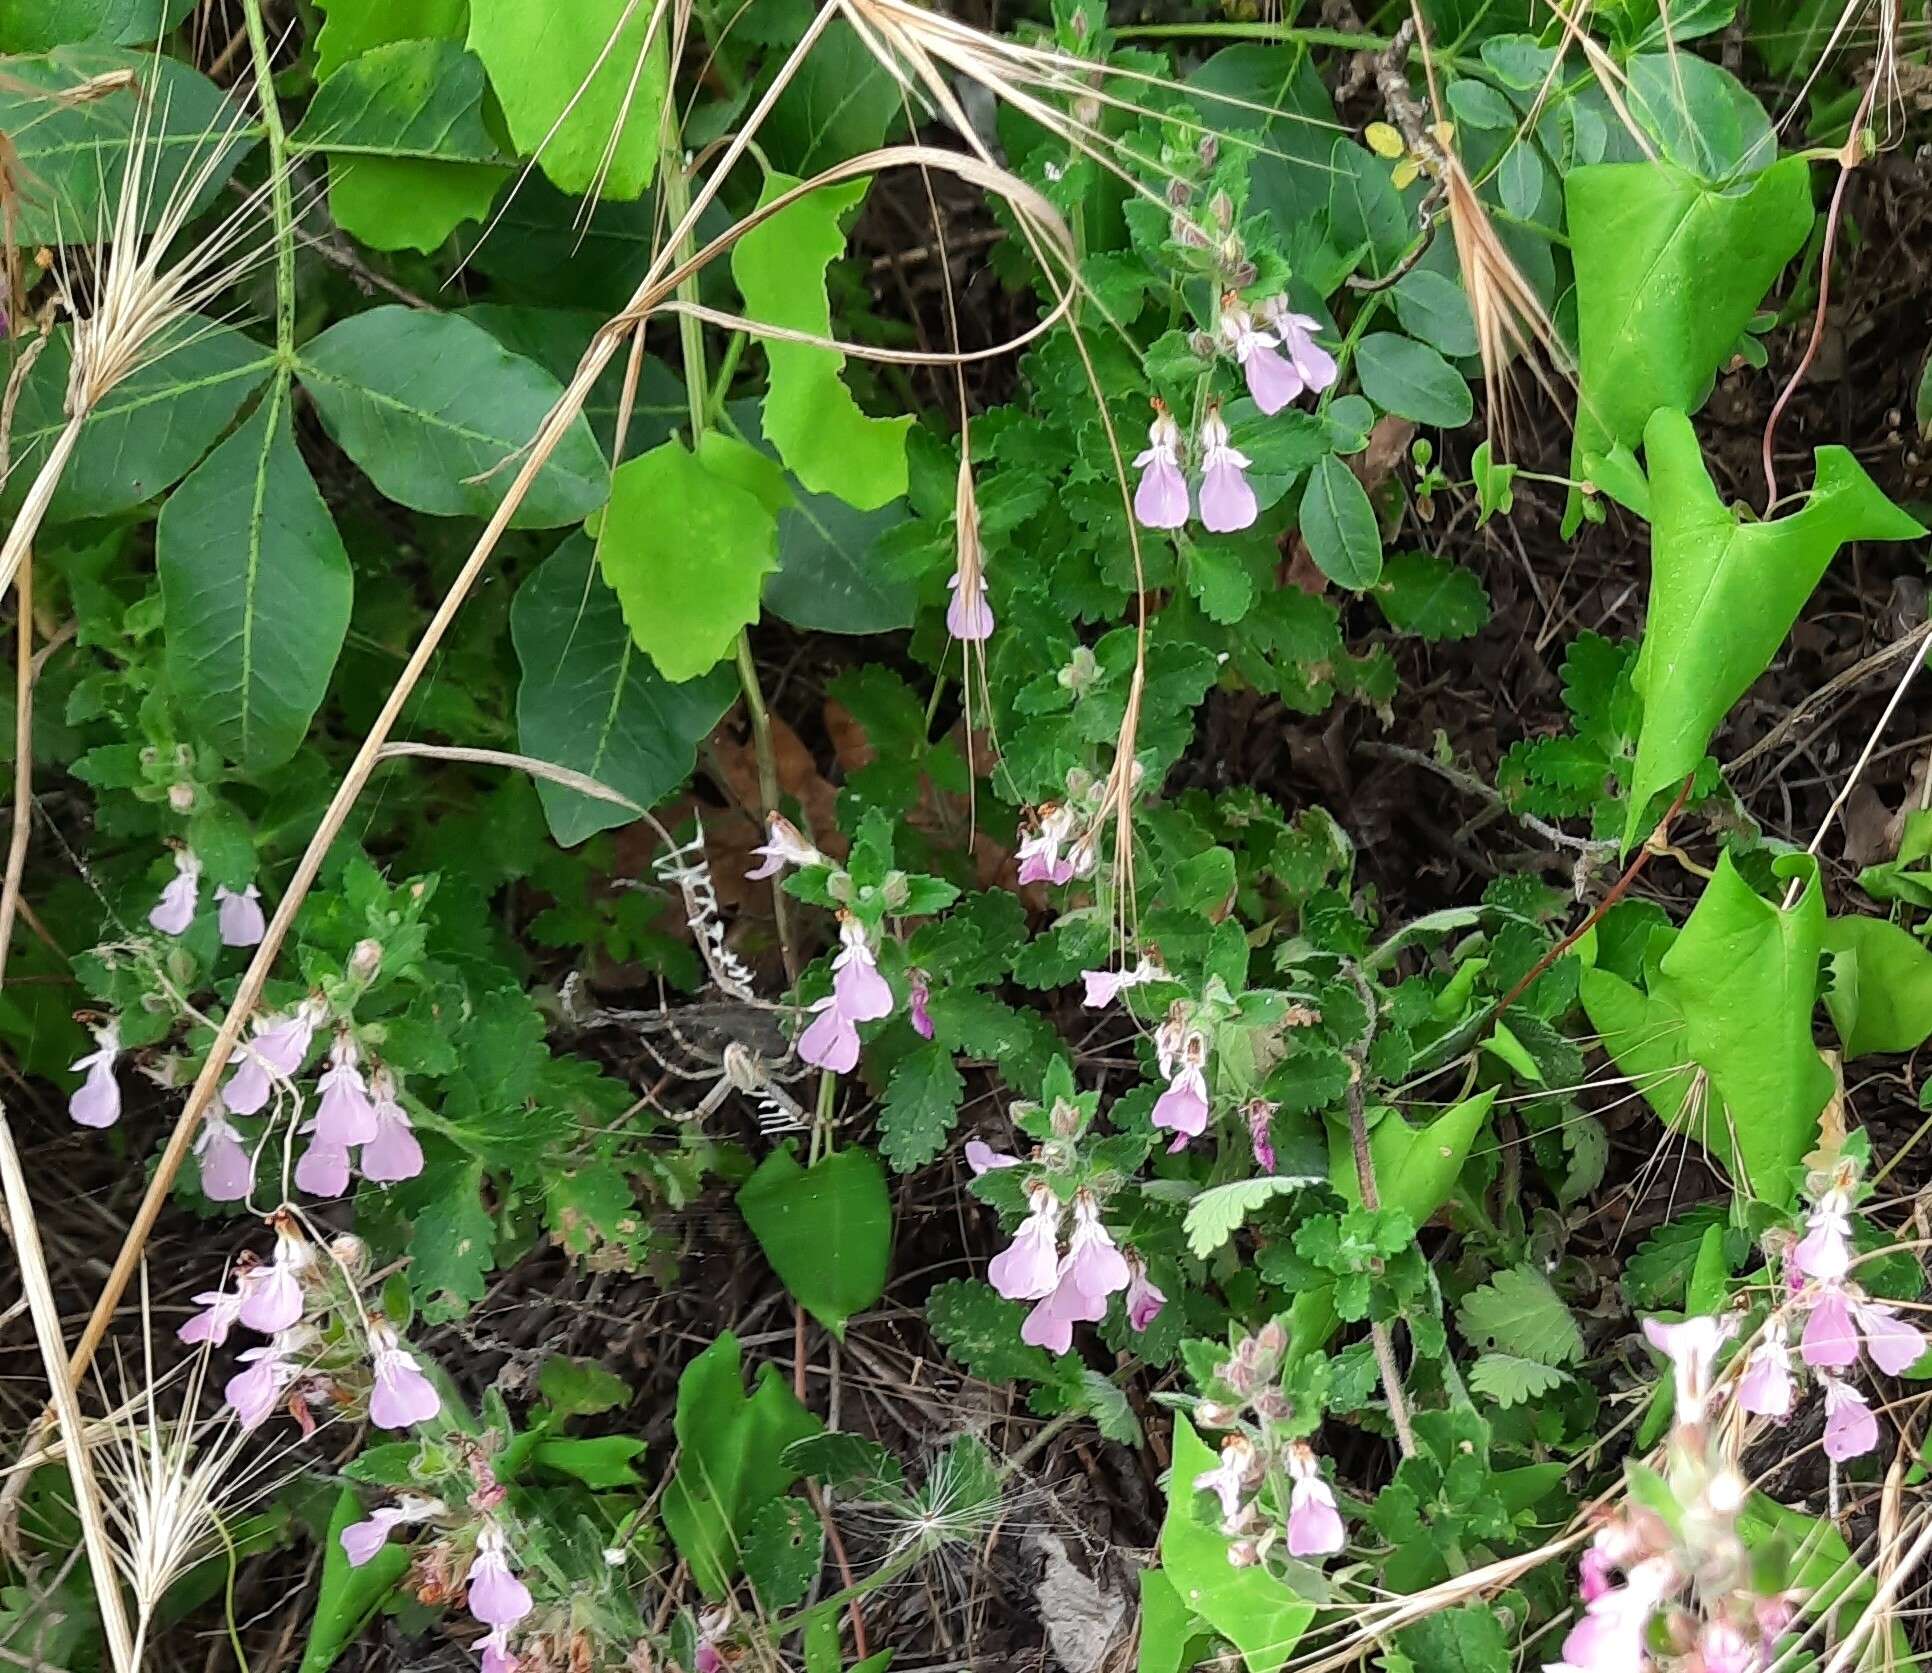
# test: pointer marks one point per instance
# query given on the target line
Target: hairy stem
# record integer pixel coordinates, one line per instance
(280, 201)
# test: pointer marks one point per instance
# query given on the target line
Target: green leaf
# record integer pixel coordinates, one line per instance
(784, 1552)
(599, 1461)
(410, 158)
(580, 1387)
(1668, 273)
(1431, 597)
(1433, 307)
(981, 1329)
(145, 433)
(348, 1597)
(921, 1105)
(1415, 1167)
(591, 701)
(1510, 1380)
(1699, 115)
(1880, 997)
(686, 552)
(826, 1229)
(1409, 378)
(730, 1459)
(352, 27)
(1339, 526)
(840, 103)
(255, 591)
(1467, 1639)
(438, 414)
(1724, 593)
(1168, 1628)
(809, 415)
(455, 1241)
(579, 88)
(1518, 1313)
(37, 25)
(70, 155)
(1364, 209)
(1257, 1613)
(1218, 1213)
(1495, 484)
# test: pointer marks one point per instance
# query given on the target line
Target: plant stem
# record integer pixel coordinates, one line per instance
(279, 198)
(23, 759)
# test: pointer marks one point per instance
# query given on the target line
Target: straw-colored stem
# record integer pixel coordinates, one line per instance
(34, 507)
(25, 1230)
(23, 761)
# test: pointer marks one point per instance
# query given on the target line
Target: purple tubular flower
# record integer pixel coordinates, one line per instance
(239, 916)
(1894, 1345)
(394, 1153)
(1039, 852)
(919, 1003)
(494, 1648)
(402, 1395)
(1824, 1252)
(272, 1294)
(1313, 364)
(323, 1170)
(1103, 987)
(1183, 1108)
(981, 1157)
(1314, 1524)
(1029, 1268)
(1830, 1339)
(863, 995)
(830, 1041)
(1765, 1389)
(1260, 1112)
(175, 910)
(1230, 1479)
(1160, 500)
(1272, 381)
(96, 1102)
(1691, 1347)
(275, 1053)
(362, 1540)
(968, 616)
(1851, 1430)
(1050, 1324)
(497, 1597)
(785, 845)
(1227, 502)
(253, 1394)
(227, 1170)
(219, 1311)
(1093, 1263)
(1144, 1299)
(344, 1115)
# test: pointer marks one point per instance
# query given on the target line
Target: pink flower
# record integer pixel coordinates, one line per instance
(1610, 1636)
(402, 1394)
(275, 1053)
(219, 1311)
(239, 916)
(362, 1540)
(862, 993)
(344, 1116)
(785, 845)
(323, 1170)
(969, 617)
(1893, 1344)
(1765, 1389)
(175, 910)
(227, 1170)
(1272, 381)
(1230, 1479)
(1183, 1108)
(1691, 1347)
(1830, 1338)
(1227, 502)
(1313, 364)
(96, 1102)
(831, 1041)
(1144, 1300)
(253, 1394)
(918, 1001)
(497, 1597)
(1593, 1573)
(1260, 1112)
(1105, 986)
(1029, 1267)
(1314, 1524)
(1160, 501)
(1851, 1430)
(1824, 1252)
(1721, 1648)
(272, 1294)
(494, 1647)
(1093, 1261)
(1050, 1324)
(1039, 852)
(981, 1157)
(394, 1152)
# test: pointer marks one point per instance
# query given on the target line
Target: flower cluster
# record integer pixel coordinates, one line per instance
(1256, 1455)
(859, 994)
(1182, 1050)
(289, 1300)
(1840, 1323)
(1681, 1583)
(1227, 502)
(238, 913)
(497, 1599)
(356, 1111)
(1074, 1287)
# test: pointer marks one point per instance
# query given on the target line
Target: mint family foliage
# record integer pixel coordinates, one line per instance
(443, 437)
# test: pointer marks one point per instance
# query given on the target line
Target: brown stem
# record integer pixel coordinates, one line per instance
(1379, 1335)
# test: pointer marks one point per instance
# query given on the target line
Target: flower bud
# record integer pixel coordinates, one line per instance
(1221, 207)
(1244, 1553)
(365, 960)
(1211, 1414)
(350, 1253)
(181, 796)
(1179, 194)
(1065, 1118)
(896, 891)
(839, 887)
(1210, 150)
(1201, 344)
